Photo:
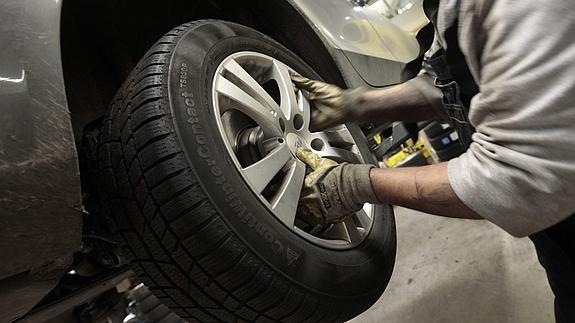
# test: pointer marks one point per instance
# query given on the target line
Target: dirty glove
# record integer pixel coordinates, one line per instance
(333, 105)
(332, 191)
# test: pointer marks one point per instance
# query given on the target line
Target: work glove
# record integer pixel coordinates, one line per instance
(332, 105)
(332, 191)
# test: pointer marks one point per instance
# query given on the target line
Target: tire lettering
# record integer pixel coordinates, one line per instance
(220, 181)
(203, 152)
(232, 199)
(278, 247)
(191, 112)
(201, 139)
(216, 171)
(189, 102)
(183, 75)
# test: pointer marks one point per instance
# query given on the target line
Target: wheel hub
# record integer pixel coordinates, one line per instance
(248, 147)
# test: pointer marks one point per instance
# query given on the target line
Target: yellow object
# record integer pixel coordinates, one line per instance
(377, 138)
(395, 158)
(407, 149)
(420, 145)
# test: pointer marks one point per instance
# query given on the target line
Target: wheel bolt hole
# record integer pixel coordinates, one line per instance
(298, 122)
(317, 144)
(280, 140)
(282, 125)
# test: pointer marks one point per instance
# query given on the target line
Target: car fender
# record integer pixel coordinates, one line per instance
(377, 47)
(39, 178)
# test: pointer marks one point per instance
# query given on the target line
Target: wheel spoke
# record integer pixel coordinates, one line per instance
(261, 173)
(332, 150)
(304, 107)
(339, 136)
(338, 232)
(363, 218)
(264, 116)
(352, 231)
(251, 86)
(339, 154)
(288, 104)
(284, 205)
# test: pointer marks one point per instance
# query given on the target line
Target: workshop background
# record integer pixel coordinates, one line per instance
(453, 271)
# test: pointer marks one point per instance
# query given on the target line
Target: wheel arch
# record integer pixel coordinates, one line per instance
(102, 40)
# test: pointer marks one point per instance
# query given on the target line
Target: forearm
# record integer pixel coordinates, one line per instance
(412, 101)
(425, 188)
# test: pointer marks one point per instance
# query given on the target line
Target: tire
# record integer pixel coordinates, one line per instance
(192, 228)
(150, 309)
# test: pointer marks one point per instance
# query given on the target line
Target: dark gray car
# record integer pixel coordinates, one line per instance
(138, 134)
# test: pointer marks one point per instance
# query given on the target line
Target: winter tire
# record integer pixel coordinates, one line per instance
(198, 171)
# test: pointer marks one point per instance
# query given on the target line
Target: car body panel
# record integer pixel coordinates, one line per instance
(361, 30)
(377, 47)
(40, 221)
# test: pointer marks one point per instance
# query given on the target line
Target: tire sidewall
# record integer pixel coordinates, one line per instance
(361, 271)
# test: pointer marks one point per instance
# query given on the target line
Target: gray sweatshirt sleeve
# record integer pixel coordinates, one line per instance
(519, 172)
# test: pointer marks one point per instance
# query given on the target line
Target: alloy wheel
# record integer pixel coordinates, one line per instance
(263, 119)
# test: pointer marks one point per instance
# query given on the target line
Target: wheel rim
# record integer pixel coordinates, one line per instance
(263, 119)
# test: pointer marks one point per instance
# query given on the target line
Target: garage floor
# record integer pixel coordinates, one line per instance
(453, 271)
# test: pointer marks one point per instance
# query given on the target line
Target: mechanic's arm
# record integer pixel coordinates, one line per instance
(415, 100)
(423, 188)
(331, 191)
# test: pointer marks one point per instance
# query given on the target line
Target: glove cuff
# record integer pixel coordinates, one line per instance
(359, 183)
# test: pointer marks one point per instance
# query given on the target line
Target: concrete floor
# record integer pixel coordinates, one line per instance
(453, 271)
